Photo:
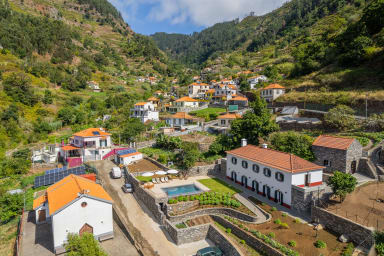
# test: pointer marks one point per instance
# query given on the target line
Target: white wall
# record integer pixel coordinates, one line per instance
(97, 214)
(130, 159)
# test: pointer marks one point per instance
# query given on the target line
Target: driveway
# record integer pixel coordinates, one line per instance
(142, 220)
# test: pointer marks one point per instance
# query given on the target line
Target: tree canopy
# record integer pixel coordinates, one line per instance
(340, 117)
(342, 184)
(84, 245)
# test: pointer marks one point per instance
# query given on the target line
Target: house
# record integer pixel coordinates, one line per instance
(272, 174)
(75, 205)
(94, 86)
(238, 100)
(152, 80)
(47, 154)
(197, 90)
(158, 93)
(140, 79)
(272, 92)
(88, 145)
(180, 119)
(226, 119)
(184, 104)
(209, 94)
(224, 91)
(127, 156)
(337, 153)
(255, 80)
(155, 101)
(145, 111)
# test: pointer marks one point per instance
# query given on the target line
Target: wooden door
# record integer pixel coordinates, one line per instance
(42, 216)
(353, 166)
(86, 228)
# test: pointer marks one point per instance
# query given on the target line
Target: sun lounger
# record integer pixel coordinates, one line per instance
(162, 180)
(158, 180)
(154, 181)
(166, 179)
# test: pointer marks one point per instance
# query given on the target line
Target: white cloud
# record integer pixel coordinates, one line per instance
(199, 12)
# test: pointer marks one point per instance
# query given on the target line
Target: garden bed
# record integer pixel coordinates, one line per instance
(287, 230)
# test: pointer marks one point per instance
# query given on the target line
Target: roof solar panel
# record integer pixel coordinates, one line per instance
(55, 170)
(96, 133)
(126, 151)
(51, 178)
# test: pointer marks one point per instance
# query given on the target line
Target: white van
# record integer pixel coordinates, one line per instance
(116, 173)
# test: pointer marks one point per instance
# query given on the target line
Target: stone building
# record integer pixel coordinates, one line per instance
(337, 154)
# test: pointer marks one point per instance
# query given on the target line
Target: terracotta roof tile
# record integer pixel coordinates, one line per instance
(153, 99)
(68, 189)
(181, 115)
(68, 147)
(274, 86)
(275, 159)
(186, 98)
(229, 116)
(333, 142)
(141, 103)
(131, 154)
(239, 98)
(92, 132)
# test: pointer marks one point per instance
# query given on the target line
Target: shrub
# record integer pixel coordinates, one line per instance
(242, 241)
(273, 209)
(185, 199)
(181, 225)
(180, 198)
(271, 235)
(263, 204)
(320, 244)
(348, 251)
(292, 243)
(228, 230)
(241, 225)
(297, 220)
(284, 225)
(277, 221)
(284, 214)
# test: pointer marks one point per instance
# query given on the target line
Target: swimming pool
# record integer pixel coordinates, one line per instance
(182, 190)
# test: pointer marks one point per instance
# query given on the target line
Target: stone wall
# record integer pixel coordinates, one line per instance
(214, 211)
(186, 235)
(295, 126)
(302, 198)
(336, 157)
(354, 153)
(222, 242)
(357, 233)
(179, 207)
(212, 169)
(249, 239)
(367, 167)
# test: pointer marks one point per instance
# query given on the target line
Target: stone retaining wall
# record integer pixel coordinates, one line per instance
(214, 211)
(205, 170)
(186, 235)
(249, 239)
(180, 207)
(340, 225)
(222, 242)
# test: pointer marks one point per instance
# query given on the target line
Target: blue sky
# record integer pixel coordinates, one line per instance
(187, 16)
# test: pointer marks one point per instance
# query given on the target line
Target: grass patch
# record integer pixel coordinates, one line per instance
(144, 179)
(209, 113)
(217, 185)
(181, 225)
(8, 233)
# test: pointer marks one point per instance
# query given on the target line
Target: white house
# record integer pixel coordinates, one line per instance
(47, 154)
(180, 119)
(197, 90)
(145, 111)
(94, 86)
(88, 145)
(225, 91)
(226, 119)
(75, 205)
(255, 80)
(184, 104)
(127, 156)
(272, 92)
(271, 173)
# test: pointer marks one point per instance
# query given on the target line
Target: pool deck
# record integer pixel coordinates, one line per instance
(158, 191)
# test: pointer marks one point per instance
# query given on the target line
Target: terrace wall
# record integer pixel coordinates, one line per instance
(186, 235)
(222, 242)
(340, 225)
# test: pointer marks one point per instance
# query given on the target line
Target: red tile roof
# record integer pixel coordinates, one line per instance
(187, 99)
(229, 116)
(274, 86)
(333, 142)
(275, 159)
(92, 132)
(182, 115)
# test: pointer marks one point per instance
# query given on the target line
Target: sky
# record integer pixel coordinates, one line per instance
(187, 16)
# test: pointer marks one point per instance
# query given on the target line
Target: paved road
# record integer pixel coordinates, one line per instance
(142, 219)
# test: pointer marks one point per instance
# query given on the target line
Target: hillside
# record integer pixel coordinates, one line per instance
(326, 52)
(49, 52)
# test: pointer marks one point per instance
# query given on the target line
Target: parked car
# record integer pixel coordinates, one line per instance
(116, 172)
(209, 251)
(127, 188)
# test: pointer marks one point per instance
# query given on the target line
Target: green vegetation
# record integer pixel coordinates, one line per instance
(277, 221)
(209, 113)
(292, 243)
(181, 225)
(320, 244)
(342, 184)
(297, 220)
(82, 245)
(379, 240)
(348, 251)
(209, 198)
(228, 230)
(341, 117)
(273, 209)
(271, 235)
(284, 225)
(144, 179)
(219, 186)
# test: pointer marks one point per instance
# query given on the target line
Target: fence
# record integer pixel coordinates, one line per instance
(19, 236)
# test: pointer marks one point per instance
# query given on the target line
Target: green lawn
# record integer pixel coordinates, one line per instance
(218, 185)
(208, 113)
(144, 179)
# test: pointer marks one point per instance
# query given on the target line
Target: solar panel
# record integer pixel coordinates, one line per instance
(126, 151)
(51, 178)
(95, 133)
(56, 170)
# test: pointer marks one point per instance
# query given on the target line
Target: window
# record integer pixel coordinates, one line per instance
(267, 172)
(244, 164)
(327, 163)
(84, 204)
(234, 160)
(279, 176)
(255, 168)
(222, 122)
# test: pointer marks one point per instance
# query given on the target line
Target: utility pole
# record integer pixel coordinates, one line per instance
(366, 106)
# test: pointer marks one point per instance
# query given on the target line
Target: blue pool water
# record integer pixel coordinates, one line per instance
(182, 190)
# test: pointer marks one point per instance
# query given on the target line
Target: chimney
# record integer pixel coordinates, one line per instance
(264, 145)
(243, 142)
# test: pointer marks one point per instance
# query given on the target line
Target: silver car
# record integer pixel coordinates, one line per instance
(127, 188)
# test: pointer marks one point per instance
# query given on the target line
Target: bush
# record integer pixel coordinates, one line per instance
(271, 235)
(185, 199)
(284, 225)
(273, 209)
(348, 251)
(242, 241)
(297, 220)
(292, 243)
(180, 198)
(228, 230)
(320, 244)
(277, 221)
(284, 214)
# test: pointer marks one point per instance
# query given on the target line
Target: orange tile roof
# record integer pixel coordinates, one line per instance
(186, 98)
(198, 84)
(131, 154)
(275, 159)
(229, 116)
(68, 189)
(90, 133)
(274, 86)
(182, 115)
(68, 147)
(39, 201)
(232, 86)
(333, 142)
(239, 98)
(210, 91)
(153, 99)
